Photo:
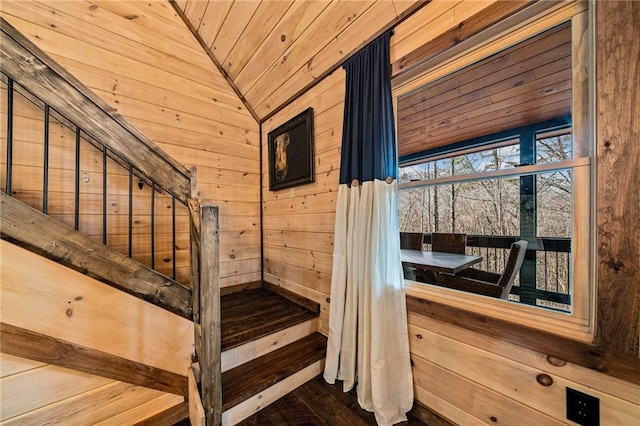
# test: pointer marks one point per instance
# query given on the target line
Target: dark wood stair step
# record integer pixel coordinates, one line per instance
(252, 314)
(241, 383)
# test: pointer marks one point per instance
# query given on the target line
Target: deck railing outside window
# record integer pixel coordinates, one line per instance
(517, 184)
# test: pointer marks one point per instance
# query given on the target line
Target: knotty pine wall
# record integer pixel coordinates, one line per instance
(140, 58)
(84, 313)
(466, 377)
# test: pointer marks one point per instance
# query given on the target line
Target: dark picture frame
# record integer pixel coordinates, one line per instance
(291, 152)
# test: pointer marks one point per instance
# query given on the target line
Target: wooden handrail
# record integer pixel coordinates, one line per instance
(35, 231)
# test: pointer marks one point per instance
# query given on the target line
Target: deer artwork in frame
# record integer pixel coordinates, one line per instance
(290, 152)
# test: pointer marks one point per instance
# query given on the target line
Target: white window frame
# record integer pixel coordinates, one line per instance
(533, 20)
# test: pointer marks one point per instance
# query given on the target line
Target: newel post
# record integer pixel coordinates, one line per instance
(209, 319)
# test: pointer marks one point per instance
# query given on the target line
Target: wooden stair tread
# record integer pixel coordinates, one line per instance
(249, 379)
(251, 314)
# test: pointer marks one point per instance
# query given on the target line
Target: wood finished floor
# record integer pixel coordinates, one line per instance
(316, 403)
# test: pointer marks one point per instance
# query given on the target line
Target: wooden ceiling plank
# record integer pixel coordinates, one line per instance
(261, 25)
(450, 105)
(212, 20)
(492, 14)
(546, 112)
(233, 27)
(332, 21)
(195, 10)
(482, 118)
(553, 45)
(287, 31)
(344, 44)
(444, 103)
(539, 88)
(216, 62)
(158, 17)
(499, 108)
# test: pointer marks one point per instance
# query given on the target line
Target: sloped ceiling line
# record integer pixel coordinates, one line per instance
(218, 65)
(258, 110)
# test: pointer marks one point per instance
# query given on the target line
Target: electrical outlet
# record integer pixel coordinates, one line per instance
(582, 408)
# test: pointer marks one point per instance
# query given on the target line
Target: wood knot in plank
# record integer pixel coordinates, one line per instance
(544, 379)
(556, 361)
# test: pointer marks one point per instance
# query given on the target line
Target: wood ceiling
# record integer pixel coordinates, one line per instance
(271, 50)
(524, 84)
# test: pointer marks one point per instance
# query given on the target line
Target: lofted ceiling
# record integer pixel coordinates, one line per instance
(272, 50)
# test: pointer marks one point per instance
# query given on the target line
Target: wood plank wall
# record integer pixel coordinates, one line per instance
(90, 315)
(465, 376)
(35, 393)
(140, 58)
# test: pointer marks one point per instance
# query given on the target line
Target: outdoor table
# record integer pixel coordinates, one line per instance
(440, 262)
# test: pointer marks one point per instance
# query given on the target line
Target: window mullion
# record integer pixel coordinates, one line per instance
(528, 217)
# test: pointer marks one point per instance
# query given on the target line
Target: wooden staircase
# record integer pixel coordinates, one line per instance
(270, 346)
(263, 342)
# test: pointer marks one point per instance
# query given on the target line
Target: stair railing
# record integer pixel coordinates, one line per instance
(27, 73)
(31, 73)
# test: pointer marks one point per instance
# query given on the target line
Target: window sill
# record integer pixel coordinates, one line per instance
(531, 317)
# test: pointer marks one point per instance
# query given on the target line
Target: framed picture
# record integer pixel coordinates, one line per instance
(290, 152)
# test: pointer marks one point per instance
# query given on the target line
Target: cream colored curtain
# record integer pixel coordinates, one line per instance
(368, 338)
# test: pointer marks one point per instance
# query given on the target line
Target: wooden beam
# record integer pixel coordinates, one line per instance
(56, 240)
(489, 16)
(26, 64)
(618, 365)
(210, 358)
(38, 347)
(618, 153)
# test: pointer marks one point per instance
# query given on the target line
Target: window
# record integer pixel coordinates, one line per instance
(498, 149)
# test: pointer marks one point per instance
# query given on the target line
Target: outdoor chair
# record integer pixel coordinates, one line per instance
(449, 243)
(485, 282)
(413, 241)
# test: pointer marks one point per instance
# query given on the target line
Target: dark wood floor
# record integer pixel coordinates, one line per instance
(316, 403)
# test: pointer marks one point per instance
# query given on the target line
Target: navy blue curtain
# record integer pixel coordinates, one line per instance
(368, 136)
